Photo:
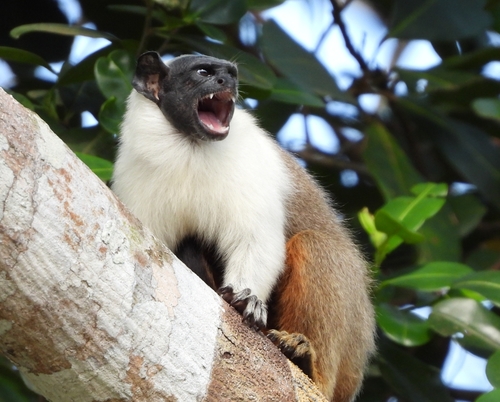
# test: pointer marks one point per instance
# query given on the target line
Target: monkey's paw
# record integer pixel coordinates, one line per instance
(253, 310)
(297, 348)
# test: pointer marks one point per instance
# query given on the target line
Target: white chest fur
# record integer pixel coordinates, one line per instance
(232, 192)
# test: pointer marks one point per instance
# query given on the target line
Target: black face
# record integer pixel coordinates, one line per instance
(195, 93)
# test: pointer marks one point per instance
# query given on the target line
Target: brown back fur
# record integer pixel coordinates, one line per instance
(324, 292)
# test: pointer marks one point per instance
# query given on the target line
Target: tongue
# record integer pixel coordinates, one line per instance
(212, 122)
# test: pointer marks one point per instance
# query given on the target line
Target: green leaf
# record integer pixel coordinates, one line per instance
(299, 65)
(114, 74)
(158, 15)
(487, 107)
(484, 258)
(84, 70)
(263, 4)
(392, 243)
(402, 327)
(212, 31)
(479, 327)
(388, 164)
(472, 61)
(220, 12)
(23, 56)
(468, 211)
(273, 115)
(437, 78)
(47, 99)
(79, 98)
(401, 217)
(493, 369)
(23, 100)
(12, 388)
(139, 10)
(492, 396)
(111, 115)
(85, 139)
(463, 96)
(60, 29)
(442, 241)
(411, 212)
(286, 91)
(485, 283)
(387, 224)
(423, 19)
(409, 376)
(367, 221)
(467, 148)
(431, 277)
(430, 189)
(101, 167)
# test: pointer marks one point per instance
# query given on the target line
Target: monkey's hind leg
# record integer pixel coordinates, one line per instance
(314, 297)
(297, 348)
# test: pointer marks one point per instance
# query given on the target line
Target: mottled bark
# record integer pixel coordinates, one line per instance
(93, 308)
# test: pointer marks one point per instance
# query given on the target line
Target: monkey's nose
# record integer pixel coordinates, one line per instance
(226, 80)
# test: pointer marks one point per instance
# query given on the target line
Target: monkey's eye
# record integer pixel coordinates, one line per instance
(203, 72)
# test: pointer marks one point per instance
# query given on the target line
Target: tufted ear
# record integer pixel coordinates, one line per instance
(149, 74)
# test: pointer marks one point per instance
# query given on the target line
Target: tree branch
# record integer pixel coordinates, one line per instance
(337, 19)
(313, 155)
(93, 307)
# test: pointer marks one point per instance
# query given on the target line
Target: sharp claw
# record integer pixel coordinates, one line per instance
(252, 309)
(242, 296)
(226, 293)
(225, 289)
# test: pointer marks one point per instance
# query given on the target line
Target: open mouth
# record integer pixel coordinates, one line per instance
(215, 111)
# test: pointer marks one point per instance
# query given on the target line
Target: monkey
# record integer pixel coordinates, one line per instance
(245, 216)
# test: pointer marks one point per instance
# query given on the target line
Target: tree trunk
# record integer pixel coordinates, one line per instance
(94, 308)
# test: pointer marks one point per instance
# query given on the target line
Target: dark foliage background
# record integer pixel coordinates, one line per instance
(431, 245)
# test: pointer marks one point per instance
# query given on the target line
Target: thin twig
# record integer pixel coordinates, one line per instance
(313, 155)
(147, 25)
(337, 19)
(323, 36)
(306, 127)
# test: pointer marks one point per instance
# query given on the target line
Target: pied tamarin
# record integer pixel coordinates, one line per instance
(243, 215)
